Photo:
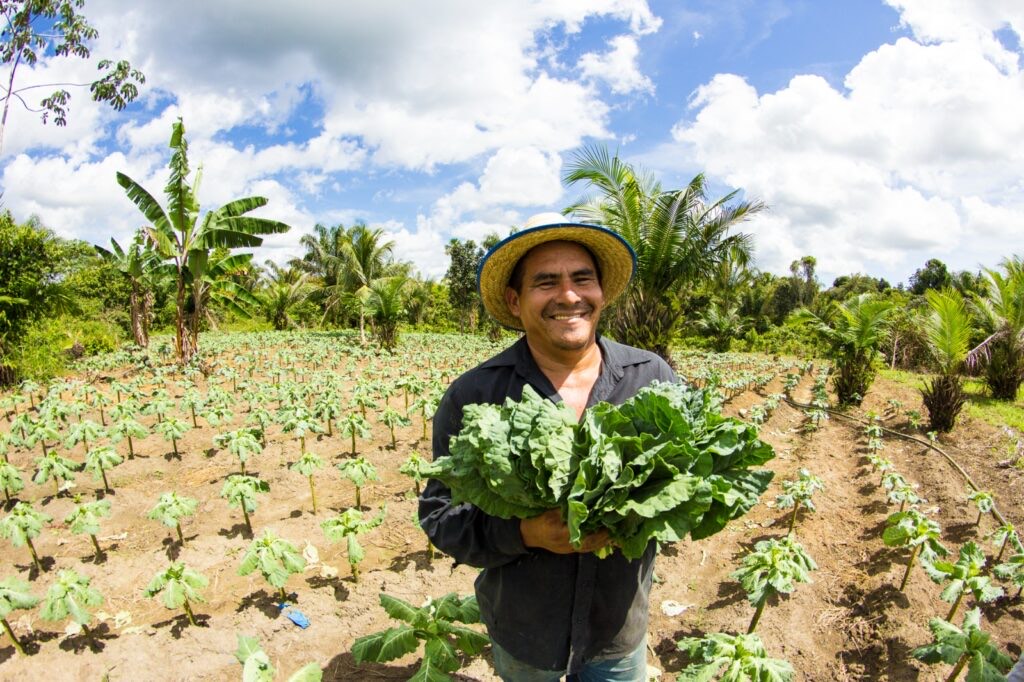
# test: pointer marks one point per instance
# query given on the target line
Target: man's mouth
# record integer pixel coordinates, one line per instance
(570, 315)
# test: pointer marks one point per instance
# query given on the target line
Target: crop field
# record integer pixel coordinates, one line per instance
(282, 422)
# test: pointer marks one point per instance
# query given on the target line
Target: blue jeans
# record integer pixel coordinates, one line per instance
(629, 668)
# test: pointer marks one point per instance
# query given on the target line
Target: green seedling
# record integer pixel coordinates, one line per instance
(348, 526)
(21, 525)
(731, 658)
(307, 465)
(170, 509)
(963, 646)
(913, 529)
(774, 567)
(85, 520)
(14, 596)
(241, 491)
(71, 596)
(275, 558)
(359, 471)
(797, 494)
(965, 576)
(180, 587)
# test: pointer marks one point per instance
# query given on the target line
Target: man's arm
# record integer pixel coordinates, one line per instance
(463, 531)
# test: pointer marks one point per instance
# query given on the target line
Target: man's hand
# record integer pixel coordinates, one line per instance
(548, 531)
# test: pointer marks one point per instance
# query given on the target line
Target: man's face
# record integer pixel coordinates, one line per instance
(560, 299)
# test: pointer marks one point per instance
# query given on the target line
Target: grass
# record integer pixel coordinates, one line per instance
(979, 404)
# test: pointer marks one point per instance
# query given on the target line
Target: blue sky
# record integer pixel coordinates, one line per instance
(879, 134)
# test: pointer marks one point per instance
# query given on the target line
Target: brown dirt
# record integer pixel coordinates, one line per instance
(851, 623)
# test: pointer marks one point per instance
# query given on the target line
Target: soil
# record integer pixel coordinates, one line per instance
(850, 623)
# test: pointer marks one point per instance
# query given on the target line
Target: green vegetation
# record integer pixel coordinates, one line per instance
(773, 567)
(731, 658)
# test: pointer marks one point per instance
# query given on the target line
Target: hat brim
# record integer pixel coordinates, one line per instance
(615, 258)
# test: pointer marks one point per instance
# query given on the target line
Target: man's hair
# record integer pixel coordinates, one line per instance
(515, 280)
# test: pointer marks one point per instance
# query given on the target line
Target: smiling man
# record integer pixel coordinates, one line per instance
(551, 609)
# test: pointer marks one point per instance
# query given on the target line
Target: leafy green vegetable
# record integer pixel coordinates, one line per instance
(256, 665)
(663, 465)
(960, 647)
(774, 567)
(743, 657)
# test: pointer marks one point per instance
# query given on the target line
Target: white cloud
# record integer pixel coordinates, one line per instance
(618, 67)
(911, 161)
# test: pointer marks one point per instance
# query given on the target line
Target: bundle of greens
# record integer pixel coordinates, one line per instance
(663, 465)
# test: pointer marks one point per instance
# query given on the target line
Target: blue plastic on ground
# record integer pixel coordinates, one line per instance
(295, 616)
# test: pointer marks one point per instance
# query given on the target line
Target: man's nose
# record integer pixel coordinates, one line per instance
(567, 291)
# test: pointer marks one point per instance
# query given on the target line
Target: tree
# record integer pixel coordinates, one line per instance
(384, 302)
(33, 28)
(177, 234)
(679, 237)
(138, 265)
(948, 330)
(366, 257)
(934, 275)
(285, 291)
(852, 331)
(461, 276)
(1001, 317)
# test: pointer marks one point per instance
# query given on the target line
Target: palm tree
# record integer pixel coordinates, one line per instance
(852, 332)
(948, 331)
(178, 235)
(286, 289)
(722, 324)
(384, 302)
(138, 264)
(324, 260)
(1001, 316)
(679, 237)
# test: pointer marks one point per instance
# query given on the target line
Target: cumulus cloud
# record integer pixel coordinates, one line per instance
(912, 159)
(618, 67)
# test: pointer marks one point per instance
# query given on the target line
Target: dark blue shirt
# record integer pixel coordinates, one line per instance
(550, 611)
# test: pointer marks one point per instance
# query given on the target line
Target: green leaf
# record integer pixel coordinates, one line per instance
(385, 646)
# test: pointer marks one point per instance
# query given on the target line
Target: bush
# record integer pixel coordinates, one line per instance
(50, 344)
(784, 340)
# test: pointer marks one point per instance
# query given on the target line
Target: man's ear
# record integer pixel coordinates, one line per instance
(512, 301)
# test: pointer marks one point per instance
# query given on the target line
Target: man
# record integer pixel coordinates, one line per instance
(550, 609)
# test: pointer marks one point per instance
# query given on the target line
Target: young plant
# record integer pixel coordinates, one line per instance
(10, 480)
(349, 525)
(56, 467)
(966, 575)
(300, 422)
(1013, 570)
(437, 624)
(731, 658)
(359, 471)
(170, 509)
(307, 465)
(180, 586)
(426, 406)
(71, 596)
(21, 525)
(172, 429)
(983, 502)
(275, 558)
(963, 646)
(85, 432)
(256, 665)
(774, 567)
(913, 529)
(99, 459)
(411, 467)
(85, 520)
(351, 425)
(798, 493)
(1005, 535)
(904, 494)
(240, 491)
(392, 418)
(14, 595)
(242, 443)
(127, 428)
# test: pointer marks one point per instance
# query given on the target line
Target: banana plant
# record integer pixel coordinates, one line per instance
(359, 471)
(913, 529)
(275, 558)
(242, 443)
(774, 567)
(440, 624)
(180, 587)
(170, 509)
(983, 502)
(307, 465)
(71, 595)
(14, 596)
(348, 526)
(10, 480)
(967, 575)
(84, 519)
(731, 658)
(798, 493)
(56, 467)
(965, 646)
(99, 459)
(392, 418)
(353, 424)
(127, 428)
(240, 491)
(172, 429)
(21, 525)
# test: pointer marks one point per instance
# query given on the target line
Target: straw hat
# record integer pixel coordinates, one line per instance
(615, 258)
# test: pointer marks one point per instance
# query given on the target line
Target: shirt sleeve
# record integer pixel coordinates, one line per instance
(463, 531)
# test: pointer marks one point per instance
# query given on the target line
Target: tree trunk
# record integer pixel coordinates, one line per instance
(180, 333)
(10, 93)
(137, 312)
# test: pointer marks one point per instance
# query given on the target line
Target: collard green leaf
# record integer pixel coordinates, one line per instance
(385, 646)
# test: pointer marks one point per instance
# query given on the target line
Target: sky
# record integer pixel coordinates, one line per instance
(878, 134)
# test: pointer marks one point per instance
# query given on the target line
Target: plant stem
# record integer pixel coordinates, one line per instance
(188, 612)
(792, 519)
(956, 605)
(96, 546)
(910, 564)
(1002, 548)
(174, 446)
(284, 596)
(757, 613)
(312, 492)
(359, 503)
(131, 450)
(181, 539)
(35, 557)
(10, 633)
(958, 668)
(103, 473)
(245, 514)
(353, 443)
